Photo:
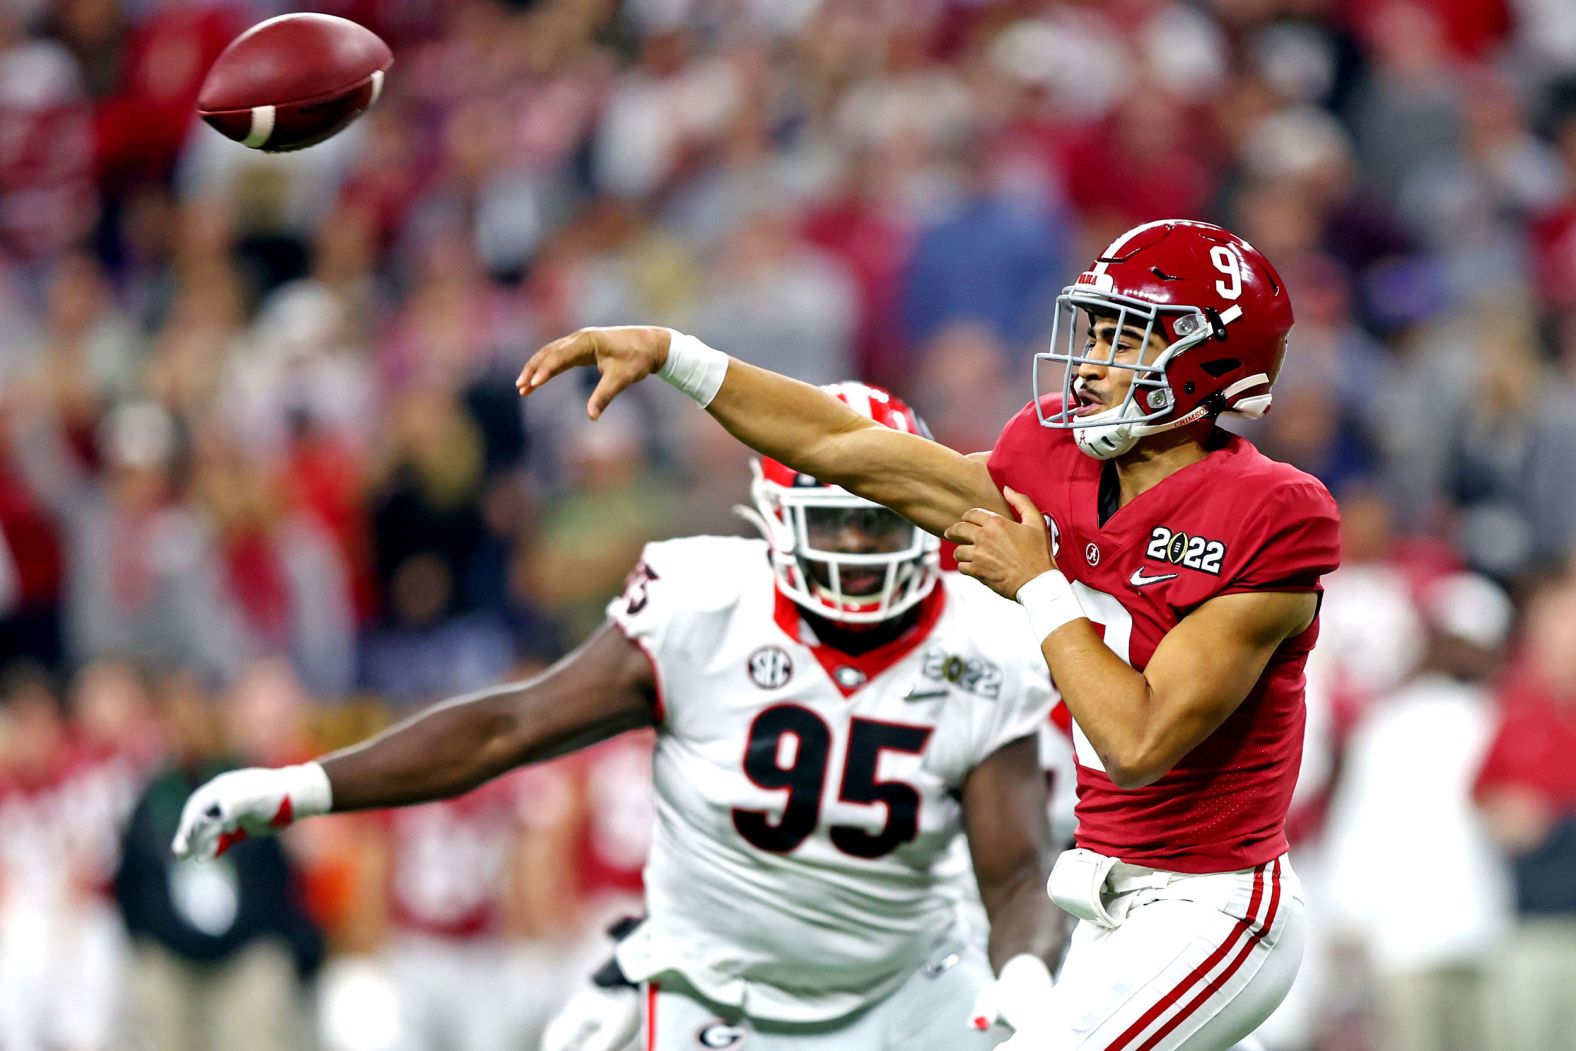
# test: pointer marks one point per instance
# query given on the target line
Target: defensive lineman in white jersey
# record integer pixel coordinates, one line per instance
(831, 711)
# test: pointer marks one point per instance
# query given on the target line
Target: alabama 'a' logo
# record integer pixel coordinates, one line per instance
(770, 667)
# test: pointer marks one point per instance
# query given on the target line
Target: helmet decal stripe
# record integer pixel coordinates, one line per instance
(1114, 249)
(856, 396)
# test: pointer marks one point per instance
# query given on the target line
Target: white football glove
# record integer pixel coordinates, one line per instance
(245, 803)
(595, 1019)
(1019, 998)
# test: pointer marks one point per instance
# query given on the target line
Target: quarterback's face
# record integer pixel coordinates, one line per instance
(1098, 385)
(855, 531)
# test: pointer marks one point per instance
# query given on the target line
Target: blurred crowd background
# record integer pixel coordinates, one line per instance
(265, 484)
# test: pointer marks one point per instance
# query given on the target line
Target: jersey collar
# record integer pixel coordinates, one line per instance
(849, 672)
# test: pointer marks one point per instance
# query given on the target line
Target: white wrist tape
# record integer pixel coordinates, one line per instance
(1050, 601)
(1024, 986)
(693, 367)
(309, 790)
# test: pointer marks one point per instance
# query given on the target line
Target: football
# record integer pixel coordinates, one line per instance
(293, 81)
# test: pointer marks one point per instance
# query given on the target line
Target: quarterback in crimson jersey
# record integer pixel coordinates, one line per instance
(831, 710)
(1233, 522)
(1172, 575)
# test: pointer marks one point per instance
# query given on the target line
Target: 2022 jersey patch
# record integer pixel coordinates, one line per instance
(1182, 549)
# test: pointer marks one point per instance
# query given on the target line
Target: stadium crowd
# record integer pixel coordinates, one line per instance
(265, 482)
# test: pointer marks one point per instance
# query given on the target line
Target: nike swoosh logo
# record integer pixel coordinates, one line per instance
(925, 695)
(1138, 579)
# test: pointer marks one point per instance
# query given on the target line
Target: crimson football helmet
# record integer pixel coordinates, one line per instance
(807, 525)
(1220, 310)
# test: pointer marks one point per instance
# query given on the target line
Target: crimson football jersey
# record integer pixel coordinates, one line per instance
(1235, 521)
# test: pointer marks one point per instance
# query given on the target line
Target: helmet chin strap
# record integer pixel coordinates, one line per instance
(1106, 441)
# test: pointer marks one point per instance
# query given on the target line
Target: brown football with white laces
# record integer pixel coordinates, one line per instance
(293, 81)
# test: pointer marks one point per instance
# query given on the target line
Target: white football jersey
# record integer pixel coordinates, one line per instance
(806, 800)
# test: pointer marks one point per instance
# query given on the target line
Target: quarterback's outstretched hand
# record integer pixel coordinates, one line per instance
(1000, 553)
(245, 803)
(1020, 999)
(624, 355)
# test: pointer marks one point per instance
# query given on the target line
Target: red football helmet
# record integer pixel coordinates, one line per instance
(809, 525)
(1217, 304)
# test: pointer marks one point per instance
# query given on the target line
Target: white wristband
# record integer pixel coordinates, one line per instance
(693, 367)
(1024, 986)
(1050, 602)
(310, 792)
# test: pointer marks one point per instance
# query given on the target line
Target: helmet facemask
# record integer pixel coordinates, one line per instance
(804, 525)
(1110, 432)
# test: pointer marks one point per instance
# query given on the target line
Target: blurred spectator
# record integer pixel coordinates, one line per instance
(777, 301)
(114, 749)
(862, 225)
(139, 582)
(282, 585)
(1527, 789)
(1505, 449)
(965, 383)
(1407, 113)
(427, 526)
(144, 120)
(35, 902)
(46, 151)
(30, 566)
(588, 543)
(1406, 791)
(218, 948)
(447, 885)
(989, 257)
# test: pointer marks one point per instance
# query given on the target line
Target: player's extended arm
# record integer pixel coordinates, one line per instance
(792, 422)
(1005, 817)
(1140, 723)
(603, 688)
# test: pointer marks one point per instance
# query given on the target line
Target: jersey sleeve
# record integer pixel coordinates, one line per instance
(1022, 711)
(1014, 447)
(1289, 542)
(1024, 706)
(668, 602)
(645, 610)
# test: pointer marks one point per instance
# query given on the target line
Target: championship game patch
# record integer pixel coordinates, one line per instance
(1180, 549)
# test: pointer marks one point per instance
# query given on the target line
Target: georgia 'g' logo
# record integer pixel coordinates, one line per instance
(720, 1035)
(770, 668)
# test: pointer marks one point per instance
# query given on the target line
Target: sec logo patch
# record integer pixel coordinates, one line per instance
(770, 668)
(720, 1035)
